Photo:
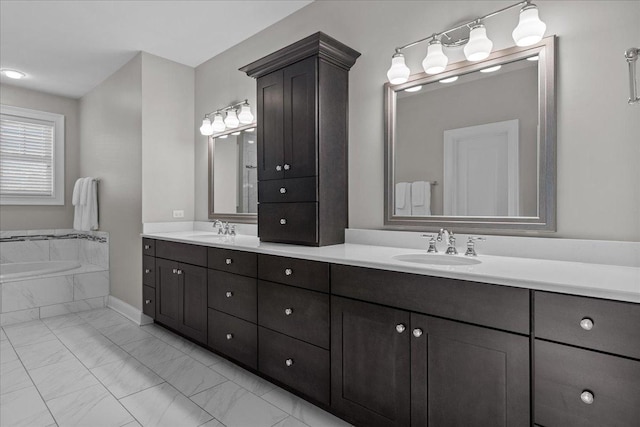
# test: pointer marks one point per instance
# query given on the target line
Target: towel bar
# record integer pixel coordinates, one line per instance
(631, 55)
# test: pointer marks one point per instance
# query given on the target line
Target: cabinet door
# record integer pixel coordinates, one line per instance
(169, 293)
(370, 377)
(463, 375)
(194, 317)
(270, 127)
(300, 118)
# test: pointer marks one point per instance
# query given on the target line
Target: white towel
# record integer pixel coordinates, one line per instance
(75, 201)
(403, 199)
(86, 210)
(421, 198)
(84, 193)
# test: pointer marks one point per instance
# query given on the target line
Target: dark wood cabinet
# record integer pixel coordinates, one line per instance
(302, 133)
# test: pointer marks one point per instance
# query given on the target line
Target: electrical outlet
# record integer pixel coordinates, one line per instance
(178, 214)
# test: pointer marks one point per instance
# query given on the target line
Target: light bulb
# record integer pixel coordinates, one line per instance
(245, 115)
(399, 72)
(206, 129)
(530, 28)
(491, 69)
(231, 121)
(218, 124)
(436, 61)
(479, 46)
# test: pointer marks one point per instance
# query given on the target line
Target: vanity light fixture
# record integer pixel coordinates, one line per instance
(218, 124)
(232, 120)
(245, 115)
(477, 46)
(13, 74)
(491, 69)
(413, 88)
(449, 79)
(206, 128)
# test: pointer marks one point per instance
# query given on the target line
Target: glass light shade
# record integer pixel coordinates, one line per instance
(479, 46)
(530, 28)
(231, 121)
(399, 72)
(245, 115)
(436, 61)
(218, 124)
(206, 129)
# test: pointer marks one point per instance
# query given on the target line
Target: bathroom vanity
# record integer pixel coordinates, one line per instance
(380, 342)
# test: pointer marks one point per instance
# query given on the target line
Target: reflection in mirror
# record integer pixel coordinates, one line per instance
(474, 147)
(233, 186)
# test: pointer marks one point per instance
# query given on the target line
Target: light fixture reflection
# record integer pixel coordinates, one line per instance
(250, 130)
(413, 89)
(449, 79)
(491, 69)
(236, 133)
(223, 136)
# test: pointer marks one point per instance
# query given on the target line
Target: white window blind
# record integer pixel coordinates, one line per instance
(31, 157)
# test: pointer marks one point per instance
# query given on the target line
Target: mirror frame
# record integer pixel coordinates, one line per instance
(243, 218)
(546, 219)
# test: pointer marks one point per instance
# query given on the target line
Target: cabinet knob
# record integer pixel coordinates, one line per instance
(283, 221)
(278, 168)
(288, 311)
(288, 272)
(228, 261)
(587, 397)
(283, 190)
(147, 301)
(175, 271)
(229, 336)
(288, 362)
(287, 167)
(417, 332)
(400, 328)
(147, 271)
(179, 272)
(147, 246)
(586, 324)
(229, 294)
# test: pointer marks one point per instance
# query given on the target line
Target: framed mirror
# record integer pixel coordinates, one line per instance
(474, 147)
(233, 180)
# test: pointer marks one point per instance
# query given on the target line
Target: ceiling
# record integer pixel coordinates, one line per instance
(68, 47)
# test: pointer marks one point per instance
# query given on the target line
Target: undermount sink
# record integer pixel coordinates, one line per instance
(431, 259)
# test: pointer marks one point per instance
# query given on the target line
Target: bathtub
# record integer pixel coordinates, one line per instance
(22, 270)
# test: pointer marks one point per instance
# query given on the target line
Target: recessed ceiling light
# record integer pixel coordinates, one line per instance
(413, 89)
(491, 69)
(13, 74)
(532, 58)
(449, 80)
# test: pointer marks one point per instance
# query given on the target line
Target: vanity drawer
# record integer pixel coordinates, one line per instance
(288, 222)
(295, 312)
(495, 306)
(149, 301)
(296, 272)
(288, 190)
(564, 373)
(299, 365)
(234, 337)
(233, 294)
(148, 247)
(149, 271)
(237, 262)
(182, 252)
(610, 326)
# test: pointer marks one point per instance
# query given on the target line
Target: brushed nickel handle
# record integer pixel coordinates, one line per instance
(417, 332)
(288, 311)
(179, 272)
(229, 294)
(287, 167)
(175, 271)
(147, 246)
(278, 168)
(229, 336)
(283, 221)
(400, 328)
(587, 397)
(228, 261)
(288, 272)
(147, 271)
(283, 190)
(586, 324)
(288, 362)
(147, 301)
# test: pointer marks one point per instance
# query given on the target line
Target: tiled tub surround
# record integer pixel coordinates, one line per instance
(83, 288)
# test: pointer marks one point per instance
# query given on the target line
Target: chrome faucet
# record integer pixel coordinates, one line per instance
(450, 239)
(218, 223)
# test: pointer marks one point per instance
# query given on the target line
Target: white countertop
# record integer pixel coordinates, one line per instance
(577, 278)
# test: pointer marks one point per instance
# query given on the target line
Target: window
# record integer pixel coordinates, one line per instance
(31, 157)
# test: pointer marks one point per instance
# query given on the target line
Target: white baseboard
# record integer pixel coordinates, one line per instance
(128, 311)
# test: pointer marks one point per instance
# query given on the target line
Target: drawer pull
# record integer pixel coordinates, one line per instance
(179, 272)
(147, 246)
(586, 324)
(229, 294)
(283, 190)
(147, 301)
(147, 271)
(175, 271)
(228, 261)
(288, 362)
(400, 328)
(287, 167)
(417, 332)
(229, 336)
(288, 271)
(278, 168)
(288, 311)
(587, 397)
(283, 221)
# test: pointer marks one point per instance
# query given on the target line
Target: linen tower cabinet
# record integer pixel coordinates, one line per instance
(302, 104)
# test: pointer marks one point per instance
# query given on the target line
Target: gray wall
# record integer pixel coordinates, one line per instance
(14, 217)
(111, 134)
(597, 131)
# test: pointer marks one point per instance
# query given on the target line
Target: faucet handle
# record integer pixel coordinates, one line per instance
(232, 230)
(471, 245)
(432, 243)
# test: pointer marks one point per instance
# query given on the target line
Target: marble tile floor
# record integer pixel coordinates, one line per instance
(97, 368)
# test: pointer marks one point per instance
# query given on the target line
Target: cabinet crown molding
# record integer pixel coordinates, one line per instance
(320, 44)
